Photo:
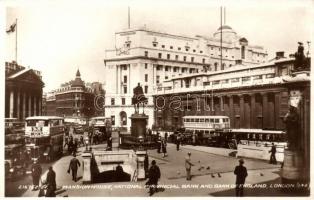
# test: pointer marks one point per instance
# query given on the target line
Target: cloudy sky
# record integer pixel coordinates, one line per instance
(58, 38)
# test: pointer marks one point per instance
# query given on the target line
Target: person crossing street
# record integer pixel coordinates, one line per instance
(73, 166)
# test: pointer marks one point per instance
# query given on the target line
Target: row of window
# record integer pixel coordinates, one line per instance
(187, 48)
(213, 120)
(244, 79)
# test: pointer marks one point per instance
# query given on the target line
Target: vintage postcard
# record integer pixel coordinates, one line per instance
(157, 99)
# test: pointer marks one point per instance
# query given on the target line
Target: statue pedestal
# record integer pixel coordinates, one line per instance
(87, 178)
(138, 125)
(294, 172)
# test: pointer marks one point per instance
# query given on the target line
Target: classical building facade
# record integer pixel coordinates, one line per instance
(254, 97)
(150, 57)
(23, 91)
(72, 99)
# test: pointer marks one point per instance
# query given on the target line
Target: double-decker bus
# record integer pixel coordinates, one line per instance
(14, 131)
(205, 130)
(44, 137)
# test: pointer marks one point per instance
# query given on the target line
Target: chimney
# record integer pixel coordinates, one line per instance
(280, 54)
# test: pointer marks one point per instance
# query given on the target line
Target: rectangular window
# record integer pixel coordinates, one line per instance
(206, 120)
(123, 101)
(162, 46)
(177, 57)
(203, 60)
(216, 82)
(155, 44)
(112, 120)
(166, 77)
(166, 68)
(197, 120)
(179, 48)
(192, 59)
(191, 71)
(159, 55)
(270, 75)
(146, 89)
(157, 79)
(125, 89)
(171, 47)
(234, 80)
(159, 67)
(184, 58)
(112, 101)
(211, 120)
(174, 69)
(168, 56)
(246, 78)
(257, 77)
(125, 79)
(216, 120)
(146, 77)
(145, 65)
(201, 120)
(125, 67)
(146, 53)
(194, 50)
(201, 51)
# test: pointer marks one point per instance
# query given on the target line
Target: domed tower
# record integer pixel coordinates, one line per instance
(228, 34)
(78, 81)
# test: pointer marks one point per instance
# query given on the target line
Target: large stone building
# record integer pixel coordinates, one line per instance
(73, 99)
(23, 91)
(253, 96)
(150, 57)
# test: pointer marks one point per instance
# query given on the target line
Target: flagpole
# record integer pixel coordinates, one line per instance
(16, 41)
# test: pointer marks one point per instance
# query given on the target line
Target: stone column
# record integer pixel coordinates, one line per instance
(265, 109)
(231, 110)
(242, 113)
(29, 105)
(222, 104)
(11, 103)
(18, 104)
(24, 105)
(35, 106)
(253, 112)
(129, 91)
(87, 176)
(277, 110)
(40, 106)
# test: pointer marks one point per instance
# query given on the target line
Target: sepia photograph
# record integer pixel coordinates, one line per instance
(156, 99)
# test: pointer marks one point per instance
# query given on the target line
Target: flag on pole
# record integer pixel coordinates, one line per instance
(12, 28)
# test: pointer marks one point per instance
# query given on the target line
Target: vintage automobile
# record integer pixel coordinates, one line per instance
(15, 161)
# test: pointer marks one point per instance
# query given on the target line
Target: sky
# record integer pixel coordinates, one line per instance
(58, 38)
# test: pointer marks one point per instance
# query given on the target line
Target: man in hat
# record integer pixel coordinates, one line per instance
(51, 183)
(36, 173)
(241, 173)
(74, 164)
(188, 166)
(272, 155)
(153, 176)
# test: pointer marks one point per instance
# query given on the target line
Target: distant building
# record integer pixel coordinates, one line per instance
(150, 57)
(253, 96)
(73, 99)
(23, 91)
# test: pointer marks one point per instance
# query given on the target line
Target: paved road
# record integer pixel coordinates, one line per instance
(205, 182)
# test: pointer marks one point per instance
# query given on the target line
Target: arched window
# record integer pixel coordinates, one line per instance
(216, 66)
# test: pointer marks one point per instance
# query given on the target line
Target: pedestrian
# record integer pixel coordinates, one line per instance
(36, 173)
(273, 155)
(51, 183)
(166, 137)
(164, 147)
(153, 176)
(74, 147)
(188, 166)
(146, 164)
(178, 140)
(81, 141)
(158, 144)
(73, 166)
(109, 144)
(241, 173)
(194, 138)
(70, 145)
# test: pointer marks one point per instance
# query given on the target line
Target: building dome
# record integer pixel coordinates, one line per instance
(228, 34)
(224, 27)
(78, 81)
